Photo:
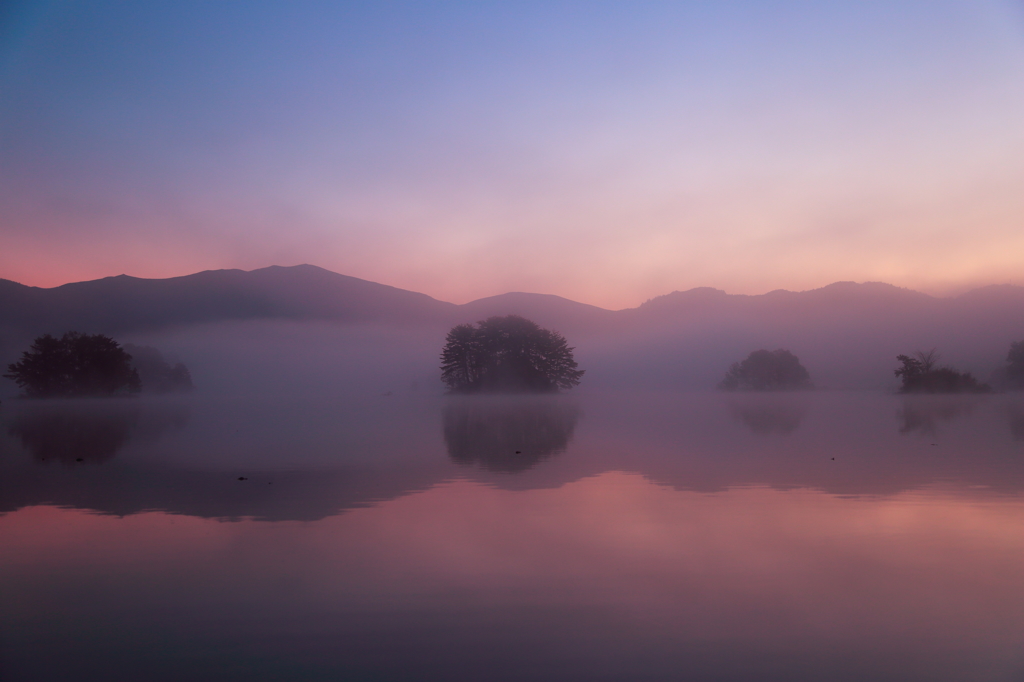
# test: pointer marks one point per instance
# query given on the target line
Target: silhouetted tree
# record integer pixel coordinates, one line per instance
(156, 373)
(920, 375)
(763, 370)
(74, 365)
(507, 354)
(1015, 365)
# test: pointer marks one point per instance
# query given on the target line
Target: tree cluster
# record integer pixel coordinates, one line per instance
(157, 374)
(1015, 365)
(507, 353)
(920, 374)
(764, 370)
(74, 365)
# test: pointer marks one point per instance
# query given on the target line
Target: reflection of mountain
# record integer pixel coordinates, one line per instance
(923, 414)
(121, 489)
(507, 434)
(769, 414)
(89, 431)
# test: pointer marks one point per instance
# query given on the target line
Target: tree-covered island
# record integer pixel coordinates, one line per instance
(1014, 370)
(921, 374)
(507, 354)
(764, 370)
(75, 365)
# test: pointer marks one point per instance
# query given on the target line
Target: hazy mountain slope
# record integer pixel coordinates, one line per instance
(118, 304)
(846, 334)
(552, 312)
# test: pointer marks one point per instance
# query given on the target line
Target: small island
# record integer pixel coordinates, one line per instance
(158, 375)
(507, 354)
(80, 365)
(764, 370)
(920, 374)
(1014, 370)
(75, 365)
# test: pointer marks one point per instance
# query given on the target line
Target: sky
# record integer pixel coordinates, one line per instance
(607, 152)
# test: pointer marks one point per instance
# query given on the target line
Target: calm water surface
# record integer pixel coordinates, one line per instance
(824, 536)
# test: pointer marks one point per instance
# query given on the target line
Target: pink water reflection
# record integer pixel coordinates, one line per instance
(608, 575)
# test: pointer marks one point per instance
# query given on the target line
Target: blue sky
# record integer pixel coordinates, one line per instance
(603, 151)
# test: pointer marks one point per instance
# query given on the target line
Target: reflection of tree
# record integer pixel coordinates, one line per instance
(1015, 413)
(769, 416)
(923, 416)
(89, 433)
(508, 435)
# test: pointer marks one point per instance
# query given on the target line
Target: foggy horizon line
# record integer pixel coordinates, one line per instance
(962, 292)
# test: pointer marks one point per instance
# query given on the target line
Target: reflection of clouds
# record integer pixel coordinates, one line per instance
(770, 413)
(507, 434)
(923, 414)
(580, 578)
(88, 431)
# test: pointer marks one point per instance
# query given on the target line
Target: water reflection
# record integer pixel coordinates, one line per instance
(507, 434)
(75, 432)
(666, 543)
(1015, 415)
(769, 414)
(303, 461)
(923, 414)
(608, 578)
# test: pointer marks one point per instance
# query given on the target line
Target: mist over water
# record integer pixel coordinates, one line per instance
(319, 508)
(596, 534)
(445, 341)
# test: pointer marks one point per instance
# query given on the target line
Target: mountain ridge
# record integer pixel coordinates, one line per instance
(123, 303)
(847, 333)
(839, 286)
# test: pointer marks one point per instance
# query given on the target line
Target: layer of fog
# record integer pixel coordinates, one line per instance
(325, 358)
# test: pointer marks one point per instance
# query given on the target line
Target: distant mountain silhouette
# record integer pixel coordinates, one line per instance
(122, 303)
(305, 292)
(549, 311)
(846, 334)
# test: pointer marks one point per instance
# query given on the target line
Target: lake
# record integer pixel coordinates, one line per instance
(599, 536)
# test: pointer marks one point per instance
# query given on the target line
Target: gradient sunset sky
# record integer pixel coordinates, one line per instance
(606, 152)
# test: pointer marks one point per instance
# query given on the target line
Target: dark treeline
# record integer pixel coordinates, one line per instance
(920, 374)
(777, 370)
(74, 365)
(1014, 371)
(80, 365)
(156, 373)
(507, 353)
(780, 370)
(499, 354)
